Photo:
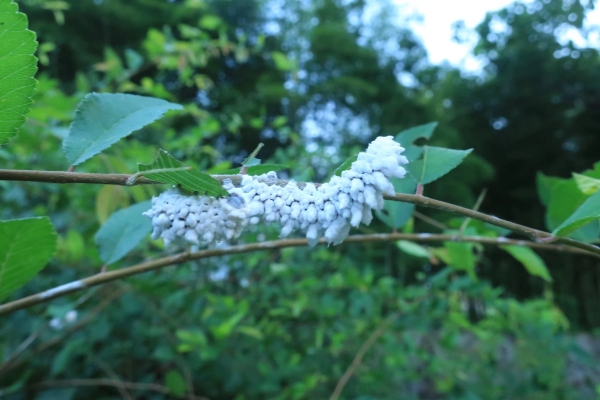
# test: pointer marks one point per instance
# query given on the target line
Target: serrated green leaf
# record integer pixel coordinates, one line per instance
(408, 137)
(123, 231)
(396, 214)
(18, 66)
(589, 211)
(256, 169)
(191, 180)
(103, 119)
(345, 165)
(530, 260)
(587, 184)
(436, 163)
(414, 249)
(175, 382)
(26, 246)
(461, 257)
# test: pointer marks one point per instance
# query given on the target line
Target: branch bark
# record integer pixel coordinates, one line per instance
(180, 258)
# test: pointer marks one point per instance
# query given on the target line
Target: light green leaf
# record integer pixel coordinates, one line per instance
(225, 328)
(175, 382)
(26, 246)
(256, 169)
(461, 257)
(253, 162)
(123, 231)
(17, 69)
(436, 163)
(408, 137)
(345, 165)
(414, 249)
(587, 184)
(191, 180)
(530, 260)
(251, 331)
(396, 214)
(103, 119)
(282, 62)
(210, 22)
(589, 211)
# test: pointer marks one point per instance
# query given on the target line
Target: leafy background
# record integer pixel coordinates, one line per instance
(314, 84)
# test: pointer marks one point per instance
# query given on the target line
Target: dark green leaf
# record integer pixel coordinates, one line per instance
(103, 119)
(17, 69)
(530, 260)
(345, 165)
(26, 246)
(408, 137)
(191, 180)
(256, 169)
(461, 257)
(589, 211)
(396, 214)
(175, 382)
(436, 163)
(123, 231)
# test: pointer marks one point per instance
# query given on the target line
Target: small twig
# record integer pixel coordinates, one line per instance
(71, 169)
(430, 221)
(180, 258)
(13, 362)
(112, 375)
(113, 383)
(359, 356)
(244, 169)
(475, 208)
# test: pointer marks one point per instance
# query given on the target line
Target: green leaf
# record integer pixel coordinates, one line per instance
(26, 246)
(413, 249)
(564, 198)
(530, 260)
(17, 69)
(175, 382)
(191, 180)
(256, 169)
(345, 165)
(396, 214)
(103, 119)
(225, 328)
(589, 211)
(251, 331)
(408, 137)
(282, 62)
(123, 231)
(587, 184)
(461, 257)
(210, 22)
(436, 163)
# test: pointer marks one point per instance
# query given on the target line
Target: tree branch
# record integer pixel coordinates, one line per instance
(122, 179)
(180, 258)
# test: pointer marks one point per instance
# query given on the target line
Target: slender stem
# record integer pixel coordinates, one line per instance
(180, 258)
(360, 355)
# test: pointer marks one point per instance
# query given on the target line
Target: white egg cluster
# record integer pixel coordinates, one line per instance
(328, 210)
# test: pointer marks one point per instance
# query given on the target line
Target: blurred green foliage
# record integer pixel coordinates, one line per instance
(314, 84)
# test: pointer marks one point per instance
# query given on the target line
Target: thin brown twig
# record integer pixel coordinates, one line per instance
(360, 355)
(154, 387)
(113, 375)
(430, 221)
(14, 362)
(180, 258)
